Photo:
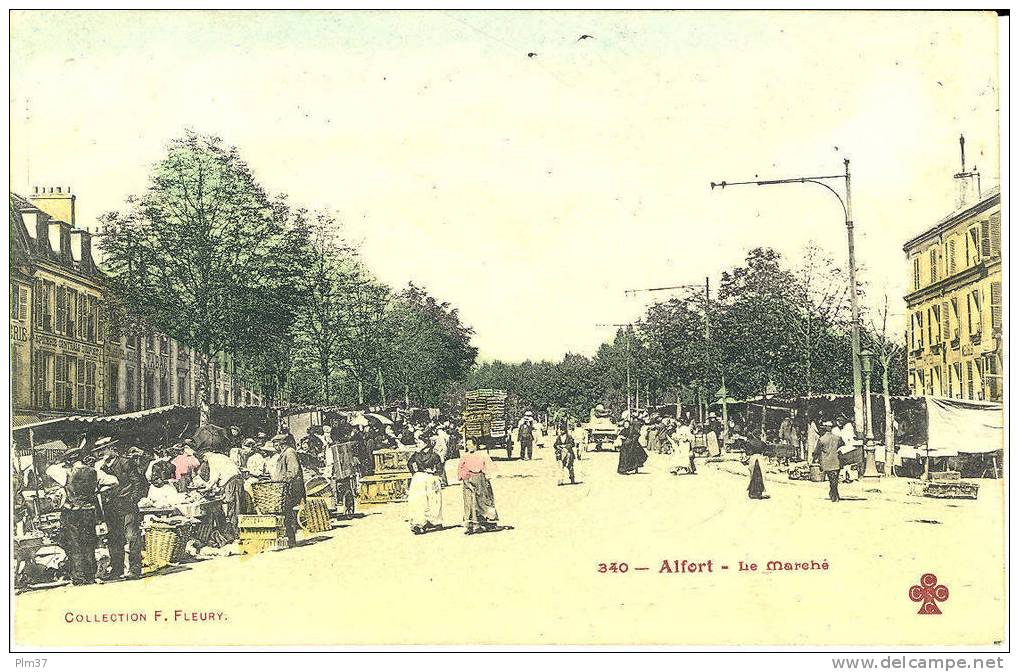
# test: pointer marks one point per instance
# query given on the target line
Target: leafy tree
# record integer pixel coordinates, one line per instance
(428, 345)
(203, 255)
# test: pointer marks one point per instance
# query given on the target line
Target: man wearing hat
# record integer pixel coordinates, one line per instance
(287, 468)
(123, 520)
(827, 453)
(525, 435)
(78, 513)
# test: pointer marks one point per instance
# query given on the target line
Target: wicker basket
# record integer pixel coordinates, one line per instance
(269, 496)
(313, 516)
(160, 544)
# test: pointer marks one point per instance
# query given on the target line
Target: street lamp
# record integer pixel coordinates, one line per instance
(847, 210)
(870, 465)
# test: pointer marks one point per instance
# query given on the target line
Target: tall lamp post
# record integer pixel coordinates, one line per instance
(870, 463)
(847, 209)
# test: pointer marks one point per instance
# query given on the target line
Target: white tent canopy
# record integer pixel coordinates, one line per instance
(957, 426)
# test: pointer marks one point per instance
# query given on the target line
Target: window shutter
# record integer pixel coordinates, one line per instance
(934, 265)
(996, 305)
(946, 322)
(951, 256)
(985, 239)
(995, 235)
(60, 326)
(23, 302)
(978, 314)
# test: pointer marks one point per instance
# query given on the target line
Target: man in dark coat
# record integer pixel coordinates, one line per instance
(288, 469)
(78, 514)
(123, 521)
(827, 453)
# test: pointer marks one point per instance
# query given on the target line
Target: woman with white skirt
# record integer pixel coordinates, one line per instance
(424, 499)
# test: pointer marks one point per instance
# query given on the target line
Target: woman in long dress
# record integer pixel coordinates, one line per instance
(756, 462)
(631, 455)
(681, 442)
(711, 440)
(479, 501)
(424, 499)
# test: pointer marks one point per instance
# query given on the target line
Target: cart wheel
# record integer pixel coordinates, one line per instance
(303, 517)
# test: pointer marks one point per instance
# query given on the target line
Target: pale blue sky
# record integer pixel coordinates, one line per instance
(530, 192)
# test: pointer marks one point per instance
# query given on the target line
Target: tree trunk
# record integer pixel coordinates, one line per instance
(202, 389)
(889, 424)
(323, 367)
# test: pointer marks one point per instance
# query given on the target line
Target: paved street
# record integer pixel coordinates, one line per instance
(539, 581)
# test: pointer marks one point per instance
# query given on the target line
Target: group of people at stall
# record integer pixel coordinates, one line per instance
(111, 482)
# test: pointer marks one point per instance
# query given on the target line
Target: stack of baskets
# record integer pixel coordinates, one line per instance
(160, 545)
(320, 486)
(265, 530)
(313, 515)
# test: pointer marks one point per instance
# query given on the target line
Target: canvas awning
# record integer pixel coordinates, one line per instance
(959, 426)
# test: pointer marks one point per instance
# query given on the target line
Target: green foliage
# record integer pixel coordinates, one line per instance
(206, 256)
(771, 327)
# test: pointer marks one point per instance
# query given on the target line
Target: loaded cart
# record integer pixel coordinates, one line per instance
(486, 419)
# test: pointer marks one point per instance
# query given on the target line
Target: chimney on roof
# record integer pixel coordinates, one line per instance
(56, 203)
(968, 182)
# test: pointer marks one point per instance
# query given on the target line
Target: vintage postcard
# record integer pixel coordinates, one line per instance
(507, 328)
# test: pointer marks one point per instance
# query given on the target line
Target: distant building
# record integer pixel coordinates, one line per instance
(67, 355)
(954, 338)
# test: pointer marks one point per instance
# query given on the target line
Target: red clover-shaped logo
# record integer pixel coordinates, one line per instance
(929, 592)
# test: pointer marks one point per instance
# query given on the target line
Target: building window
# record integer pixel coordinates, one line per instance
(979, 385)
(82, 395)
(44, 374)
(934, 264)
(996, 306)
(90, 386)
(164, 391)
(950, 256)
(131, 390)
(91, 324)
(916, 273)
(64, 382)
(994, 236)
(70, 324)
(955, 321)
(182, 389)
(113, 387)
(150, 390)
(19, 302)
(973, 316)
(969, 380)
(992, 376)
(973, 245)
(44, 291)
